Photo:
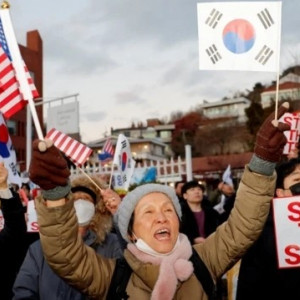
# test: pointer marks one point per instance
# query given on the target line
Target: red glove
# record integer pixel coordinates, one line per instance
(48, 168)
(270, 139)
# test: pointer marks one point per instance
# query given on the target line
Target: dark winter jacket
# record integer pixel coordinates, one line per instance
(36, 280)
(259, 275)
(228, 206)
(11, 244)
(189, 224)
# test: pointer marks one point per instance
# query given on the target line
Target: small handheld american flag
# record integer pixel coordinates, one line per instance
(11, 99)
(75, 151)
(107, 153)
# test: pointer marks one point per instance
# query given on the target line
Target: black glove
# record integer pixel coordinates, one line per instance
(49, 170)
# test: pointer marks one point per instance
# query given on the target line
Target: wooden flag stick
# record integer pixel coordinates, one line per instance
(90, 179)
(277, 75)
(276, 96)
(111, 175)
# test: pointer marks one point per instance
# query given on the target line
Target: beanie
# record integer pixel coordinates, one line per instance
(129, 202)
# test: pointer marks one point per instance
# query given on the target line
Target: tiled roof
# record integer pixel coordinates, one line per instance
(284, 86)
(217, 163)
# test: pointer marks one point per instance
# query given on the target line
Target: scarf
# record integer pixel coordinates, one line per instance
(173, 267)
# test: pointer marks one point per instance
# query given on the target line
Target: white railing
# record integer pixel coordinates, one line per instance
(167, 170)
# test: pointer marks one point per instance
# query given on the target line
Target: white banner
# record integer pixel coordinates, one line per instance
(287, 231)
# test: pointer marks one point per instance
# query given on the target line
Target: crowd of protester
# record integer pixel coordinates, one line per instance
(158, 242)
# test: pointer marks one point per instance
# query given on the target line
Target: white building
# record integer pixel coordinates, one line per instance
(288, 89)
(142, 149)
(226, 108)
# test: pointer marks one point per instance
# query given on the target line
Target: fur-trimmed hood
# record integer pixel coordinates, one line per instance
(102, 221)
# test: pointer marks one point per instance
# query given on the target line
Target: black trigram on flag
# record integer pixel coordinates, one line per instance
(264, 55)
(124, 177)
(265, 18)
(129, 163)
(214, 18)
(213, 53)
(124, 144)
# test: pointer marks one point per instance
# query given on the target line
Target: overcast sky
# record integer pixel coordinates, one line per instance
(134, 60)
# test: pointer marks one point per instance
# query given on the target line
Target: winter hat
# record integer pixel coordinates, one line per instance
(129, 202)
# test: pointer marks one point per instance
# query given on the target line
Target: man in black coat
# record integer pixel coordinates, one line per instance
(11, 236)
(199, 219)
(259, 275)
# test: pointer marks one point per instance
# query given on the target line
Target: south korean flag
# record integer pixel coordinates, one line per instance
(239, 36)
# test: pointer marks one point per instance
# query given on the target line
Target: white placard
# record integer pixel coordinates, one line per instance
(32, 224)
(293, 119)
(31, 218)
(287, 231)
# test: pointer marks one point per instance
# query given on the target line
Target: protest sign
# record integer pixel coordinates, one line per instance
(31, 218)
(32, 224)
(292, 135)
(287, 231)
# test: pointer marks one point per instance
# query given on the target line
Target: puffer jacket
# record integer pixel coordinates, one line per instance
(92, 273)
(36, 280)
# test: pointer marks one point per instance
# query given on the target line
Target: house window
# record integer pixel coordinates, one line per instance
(12, 127)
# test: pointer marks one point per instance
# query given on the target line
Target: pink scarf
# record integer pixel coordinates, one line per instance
(173, 267)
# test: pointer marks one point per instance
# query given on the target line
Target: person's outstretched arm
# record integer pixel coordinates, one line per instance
(63, 247)
(256, 190)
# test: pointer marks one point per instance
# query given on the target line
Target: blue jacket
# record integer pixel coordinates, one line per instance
(36, 280)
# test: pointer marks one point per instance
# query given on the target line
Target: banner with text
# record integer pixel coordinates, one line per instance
(293, 119)
(287, 231)
(31, 218)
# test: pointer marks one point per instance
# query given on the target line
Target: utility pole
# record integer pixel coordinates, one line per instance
(188, 162)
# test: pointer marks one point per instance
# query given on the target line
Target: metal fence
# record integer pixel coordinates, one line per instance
(166, 170)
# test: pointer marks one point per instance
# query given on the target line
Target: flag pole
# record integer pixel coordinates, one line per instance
(89, 178)
(19, 65)
(276, 94)
(278, 67)
(111, 174)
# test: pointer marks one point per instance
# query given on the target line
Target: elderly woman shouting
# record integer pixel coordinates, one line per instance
(149, 220)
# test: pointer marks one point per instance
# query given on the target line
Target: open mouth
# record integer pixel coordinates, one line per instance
(162, 234)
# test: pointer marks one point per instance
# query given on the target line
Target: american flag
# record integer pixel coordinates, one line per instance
(107, 153)
(75, 151)
(11, 98)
